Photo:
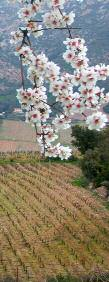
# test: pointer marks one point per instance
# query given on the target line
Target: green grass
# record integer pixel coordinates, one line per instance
(80, 182)
(63, 279)
(21, 157)
(72, 160)
(32, 157)
(97, 278)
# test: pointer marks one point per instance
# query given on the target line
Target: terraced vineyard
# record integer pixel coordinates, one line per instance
(48, 226)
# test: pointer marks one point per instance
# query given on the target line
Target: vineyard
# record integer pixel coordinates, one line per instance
(47, 225)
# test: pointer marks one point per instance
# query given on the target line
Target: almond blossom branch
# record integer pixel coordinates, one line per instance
(45, 76)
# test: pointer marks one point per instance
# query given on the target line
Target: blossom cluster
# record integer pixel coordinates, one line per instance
(55, 19)
(76, 53)
(77, 92)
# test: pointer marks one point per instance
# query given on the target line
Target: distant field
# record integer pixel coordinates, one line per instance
(19, 136)
(49, 226)
(16, 130)
(12, 146)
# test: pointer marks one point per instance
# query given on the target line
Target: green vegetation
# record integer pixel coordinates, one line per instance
(32, 157)
(95, 163)
(94, 147)
(85, 139)
(80, 182)
(59, 278)
(19, 157)
(63, 279)
(98, 278)
(72, 160)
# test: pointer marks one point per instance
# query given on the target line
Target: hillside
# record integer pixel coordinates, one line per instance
(17, 136)
(92, 17)
(49, 226)
(20, 136)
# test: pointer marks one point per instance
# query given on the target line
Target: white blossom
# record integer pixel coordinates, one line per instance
(96, 121)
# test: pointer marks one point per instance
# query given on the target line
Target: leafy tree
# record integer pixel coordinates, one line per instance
(95, 163)
(85, 139)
